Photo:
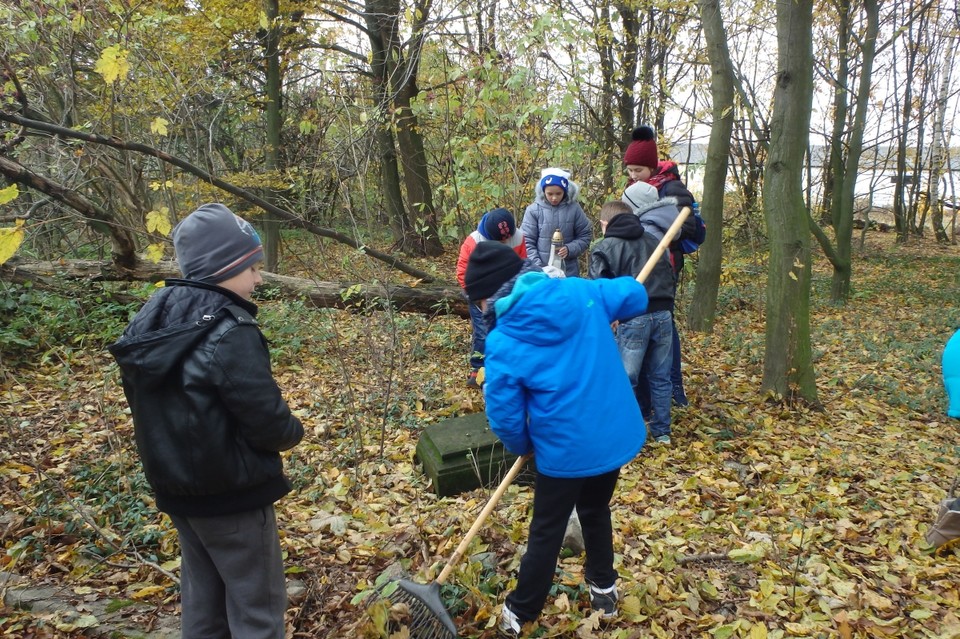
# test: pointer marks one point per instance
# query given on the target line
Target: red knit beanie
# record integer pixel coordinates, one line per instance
(643, 150)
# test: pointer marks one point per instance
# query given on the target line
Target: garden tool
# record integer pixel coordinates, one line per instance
(429, 618)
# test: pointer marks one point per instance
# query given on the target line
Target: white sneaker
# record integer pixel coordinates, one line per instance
(509, 623)
(663, 439)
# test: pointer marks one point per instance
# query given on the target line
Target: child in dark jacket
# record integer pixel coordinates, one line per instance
(210, 422)
(646, 341)
(573, 408)
(643, 163)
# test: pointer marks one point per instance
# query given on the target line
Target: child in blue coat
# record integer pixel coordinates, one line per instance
(573, 408)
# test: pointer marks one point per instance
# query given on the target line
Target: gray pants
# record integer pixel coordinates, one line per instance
(231, 576)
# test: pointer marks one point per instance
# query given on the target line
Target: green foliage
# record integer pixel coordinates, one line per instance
(41, 325)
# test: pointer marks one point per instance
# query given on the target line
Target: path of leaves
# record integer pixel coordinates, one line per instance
(764, 519)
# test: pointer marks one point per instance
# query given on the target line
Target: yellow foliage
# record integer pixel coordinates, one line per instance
(158, 221)
(113, 64)
(10, 240)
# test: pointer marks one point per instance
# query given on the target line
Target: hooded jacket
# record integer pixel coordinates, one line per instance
(656, 218)
(574, 407)
(541, 219)
(209, 419)
(624, 250)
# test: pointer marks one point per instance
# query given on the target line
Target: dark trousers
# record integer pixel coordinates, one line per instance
(554, 499)
(231, 576)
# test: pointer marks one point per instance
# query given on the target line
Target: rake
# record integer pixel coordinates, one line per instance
(429, 618)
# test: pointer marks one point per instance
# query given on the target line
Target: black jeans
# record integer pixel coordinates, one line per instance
(553, 500)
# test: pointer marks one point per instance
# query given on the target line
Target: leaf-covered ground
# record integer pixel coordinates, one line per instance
(763, 519)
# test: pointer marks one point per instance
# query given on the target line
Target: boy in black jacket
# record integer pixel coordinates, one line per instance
(646, 341)
(210, 423)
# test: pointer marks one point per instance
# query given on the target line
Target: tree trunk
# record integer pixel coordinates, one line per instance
(939, 152)
(787, 365)
(271, 156)
(703, 308)
(426, 299)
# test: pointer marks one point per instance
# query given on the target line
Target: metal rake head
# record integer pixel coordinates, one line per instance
(429, 618)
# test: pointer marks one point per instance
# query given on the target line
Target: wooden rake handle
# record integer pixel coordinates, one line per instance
(668, 237)
(482, 517)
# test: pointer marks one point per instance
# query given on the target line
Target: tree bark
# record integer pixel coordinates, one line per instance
(274, 122)
(430, 300)
(788, 365)
(703, 307)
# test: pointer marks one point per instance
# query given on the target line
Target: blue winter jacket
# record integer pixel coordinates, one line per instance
(951, 374)
(555, 384)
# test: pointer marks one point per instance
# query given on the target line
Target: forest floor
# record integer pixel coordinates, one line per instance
(764, 518)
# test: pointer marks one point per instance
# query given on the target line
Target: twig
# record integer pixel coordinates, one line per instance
(707, 556)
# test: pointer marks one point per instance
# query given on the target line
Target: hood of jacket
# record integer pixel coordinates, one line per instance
(573, 191)
(176, 318)
(624, 226)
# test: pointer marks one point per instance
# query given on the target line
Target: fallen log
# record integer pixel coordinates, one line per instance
(428, 299)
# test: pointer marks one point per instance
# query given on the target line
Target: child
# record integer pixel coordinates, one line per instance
(573, 408)
(500, 226)
(209, 422)
(646, 341)
(643, 163)
(555, 207)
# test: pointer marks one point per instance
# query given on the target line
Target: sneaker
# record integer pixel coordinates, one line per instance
(509, 623)
(946, 529)
(679, 397)
(472, 380)
(663, 439)
(605, 600)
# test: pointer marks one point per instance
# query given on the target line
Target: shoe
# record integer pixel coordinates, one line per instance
(605, 600)
(679, 397)
(663, 439)
(509, 623)
(472, 380)
(946, 528)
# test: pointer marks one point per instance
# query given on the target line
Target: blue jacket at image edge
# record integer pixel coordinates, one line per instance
(545, 393)
(951, 374)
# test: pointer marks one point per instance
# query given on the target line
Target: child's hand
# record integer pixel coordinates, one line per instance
(562, 252)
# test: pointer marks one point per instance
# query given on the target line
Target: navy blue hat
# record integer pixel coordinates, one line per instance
(554, 180)
(497, 224)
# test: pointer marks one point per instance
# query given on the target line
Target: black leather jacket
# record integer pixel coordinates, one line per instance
(624, 250)
(209, 418)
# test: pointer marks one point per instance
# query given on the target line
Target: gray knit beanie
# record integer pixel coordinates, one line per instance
(213, 244)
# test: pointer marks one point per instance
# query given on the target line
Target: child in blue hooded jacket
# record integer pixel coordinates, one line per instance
(573, 408)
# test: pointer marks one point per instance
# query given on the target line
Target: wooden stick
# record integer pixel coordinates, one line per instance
(481, 518)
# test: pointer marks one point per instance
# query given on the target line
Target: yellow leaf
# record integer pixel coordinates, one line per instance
(747, 555)
(148, 591)
(112, 64)
(793, 276)
(9, 194)
(155, 253)
(10, 240)
(159, 221)
(159, 126)
(758, 631)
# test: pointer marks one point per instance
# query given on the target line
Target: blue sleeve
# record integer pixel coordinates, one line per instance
(506, 406)
(623, 298)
